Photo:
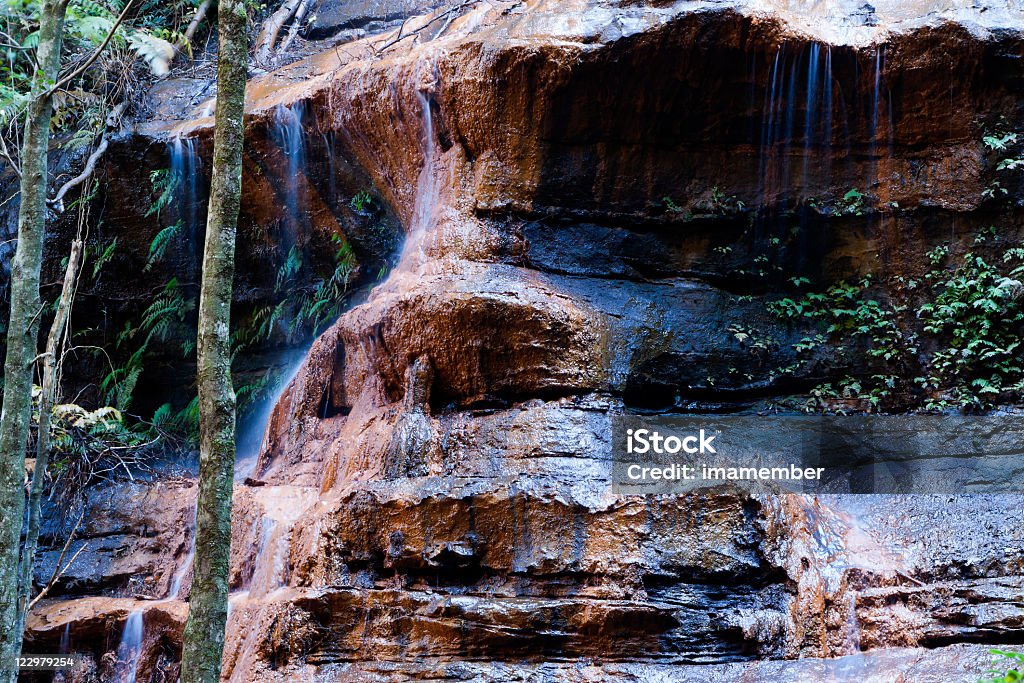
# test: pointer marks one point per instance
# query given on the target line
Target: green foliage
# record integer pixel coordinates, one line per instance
(166, 312)
(757, 343)
(975, 311)
(290, 268)
(954, 342)
(362, 202)
(999, 673)
(721, 204)
(1003, 149)
(159, 245)
(165, 184)
(717, 203)
(672, 207)
(92, 444)
(847, 314)
(852, 203)
(101, 258)
(184, 421)
(87, 24)
(302, 308)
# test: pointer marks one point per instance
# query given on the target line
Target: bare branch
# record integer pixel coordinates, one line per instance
(449, 14)
(271, 29)
(193, 25)
(95, 55)
(300, 14)
(90, 166)
(7, 155)
(57, 573)
(56, 576)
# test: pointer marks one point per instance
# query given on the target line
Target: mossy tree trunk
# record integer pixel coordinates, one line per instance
(51, 361)
(23, 325)
(203, 644)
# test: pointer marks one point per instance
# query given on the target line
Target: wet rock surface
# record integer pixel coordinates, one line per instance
(432, 499)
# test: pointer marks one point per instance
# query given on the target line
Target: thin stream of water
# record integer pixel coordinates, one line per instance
(130, 647)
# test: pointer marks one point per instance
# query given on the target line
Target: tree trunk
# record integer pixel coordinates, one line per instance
(203, 643)
(23, 326)
(54, 344)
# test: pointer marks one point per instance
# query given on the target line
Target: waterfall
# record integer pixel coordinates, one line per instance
(827, 111)
(186, 177)
(130, 648)
(252, 430)
(851, 630)
(182, 570)
(65, 639)
(427, 191)
(780, 133)
(768, 126)
(810, 103)
(290, 138)
(789, 104)
(876, 104)
(332, 181)
(270, 565)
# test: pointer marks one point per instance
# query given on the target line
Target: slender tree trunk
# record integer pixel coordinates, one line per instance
(54, 344)
(203, 644)
(23, 326)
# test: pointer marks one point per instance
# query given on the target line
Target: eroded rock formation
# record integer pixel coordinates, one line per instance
(586, 191)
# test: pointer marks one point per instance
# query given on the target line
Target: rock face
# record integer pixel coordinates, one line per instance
(587, 190)
(331, 17)
(297, 211)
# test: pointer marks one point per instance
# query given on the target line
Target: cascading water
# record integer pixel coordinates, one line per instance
(289, 136)
(182, 570)
(130, 648)
(879, 65)
(65, 639)
(427, 191)
(851, 634)
(779, 131)
(768, 127)
(252, 428)
(328, 139)
(270, 565)
(186, 169)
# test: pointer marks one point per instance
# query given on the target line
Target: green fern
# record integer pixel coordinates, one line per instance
(165, 184)
(158, 247)
(104, 258)
(291, 266)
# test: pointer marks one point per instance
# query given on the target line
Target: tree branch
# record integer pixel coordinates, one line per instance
(271, 29)
(193, 25)
(57, 573)
(300, 14)
(90, 166)
(7, 155)
(94, 56)
(448, 14)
